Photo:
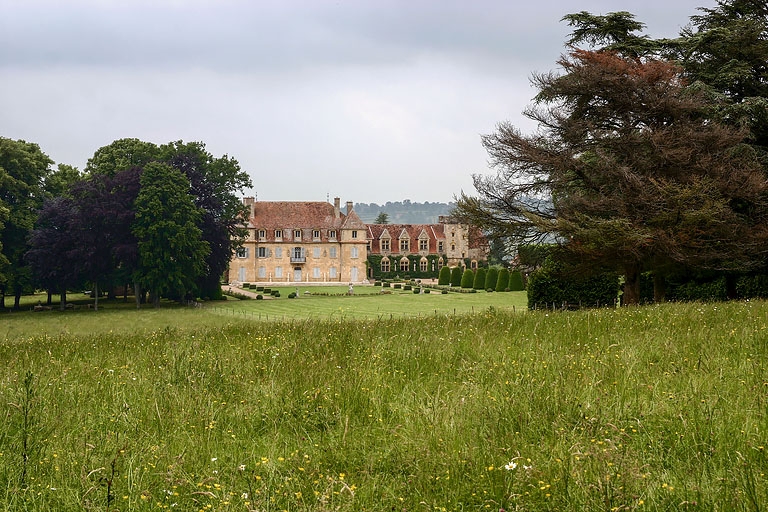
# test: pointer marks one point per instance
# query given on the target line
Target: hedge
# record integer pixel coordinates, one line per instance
(491, 278)
(515, 281)
(445, 276)
(456, 274)
(556, 285)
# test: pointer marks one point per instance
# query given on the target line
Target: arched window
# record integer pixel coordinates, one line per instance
(385, 264)
(423, 265)
(440, 263)
(404, 265)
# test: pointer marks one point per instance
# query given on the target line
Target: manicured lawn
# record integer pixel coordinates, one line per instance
(369, 302)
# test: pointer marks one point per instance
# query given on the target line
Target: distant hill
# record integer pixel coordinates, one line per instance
(404, 212)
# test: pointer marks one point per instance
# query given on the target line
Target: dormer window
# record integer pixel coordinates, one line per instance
(384, 242)
(332, 234)
(423, 244)
(315, 234)
(405, 245)
(354, 234)
(262, 234)
(297, 234)
(278, 234)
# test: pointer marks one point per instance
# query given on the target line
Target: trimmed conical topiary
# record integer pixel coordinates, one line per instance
(515, 281)
(467, 279)
(490, 278)
(479, 282)
(456, 274)
(503, 281)
(445, 276)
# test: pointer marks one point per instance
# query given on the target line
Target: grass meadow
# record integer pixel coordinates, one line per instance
(654, 408)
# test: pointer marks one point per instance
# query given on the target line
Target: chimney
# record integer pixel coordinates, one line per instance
(250, 203)
(349, 207)
(336, 206)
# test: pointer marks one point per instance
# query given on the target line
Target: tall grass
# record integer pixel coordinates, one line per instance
(659, 408)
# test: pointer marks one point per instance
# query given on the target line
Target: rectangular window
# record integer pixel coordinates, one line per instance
(315, 234)
(315, 252)
(262, 252)
(242, 252)
(353, 252)
(278, 234)
(262, 272)
(385, 244)
(297, 234)
(354, 234)
(332, 272)
(278, 271)
(332, 234)
(423, 245)
(316, 272)
(332, 252)
(404, 245)
(262, 234)
(440, 247)
(278, 252)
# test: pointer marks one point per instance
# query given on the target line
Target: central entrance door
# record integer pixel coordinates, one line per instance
(297, 274)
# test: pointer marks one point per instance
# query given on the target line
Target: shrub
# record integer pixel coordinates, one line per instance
(516, 281)
(246, 285)
(456, 274)
(555, 283)
(479, 281)
(268, 291)
(444, 292)
(415, 291)
(276, 293)
(491, 277)
(490, 290)
(397, 286)
(468, 279)
(386, 284)
(502, 282)
(407, 287)
(292, 295)
(426, 290)
(444, 278)
(259, 288)
(377, 283)
(259, 297)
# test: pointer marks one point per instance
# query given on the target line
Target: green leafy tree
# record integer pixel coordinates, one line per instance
(23, 170)
(171, 249)
(456, 274)
(444, 278)
(478, 282)
(491, 277)
(627, 173)
(502, 283)
(382, 218)
(216, 186)
(120, 155)
(467, 278)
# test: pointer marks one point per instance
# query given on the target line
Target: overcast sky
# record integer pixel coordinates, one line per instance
(368, 100)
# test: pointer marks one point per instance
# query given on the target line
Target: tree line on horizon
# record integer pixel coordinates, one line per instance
(160, 219)
(651, 155)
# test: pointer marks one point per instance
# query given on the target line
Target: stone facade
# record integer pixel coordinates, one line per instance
(421, 250)
(292, 242)
(301, 242)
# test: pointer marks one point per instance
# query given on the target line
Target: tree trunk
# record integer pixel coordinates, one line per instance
(137, 293)
(659, 288)
(50, 297)
(17, 299)
(63, 299)
(96, 300)
(730, 286)
(631, 284)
